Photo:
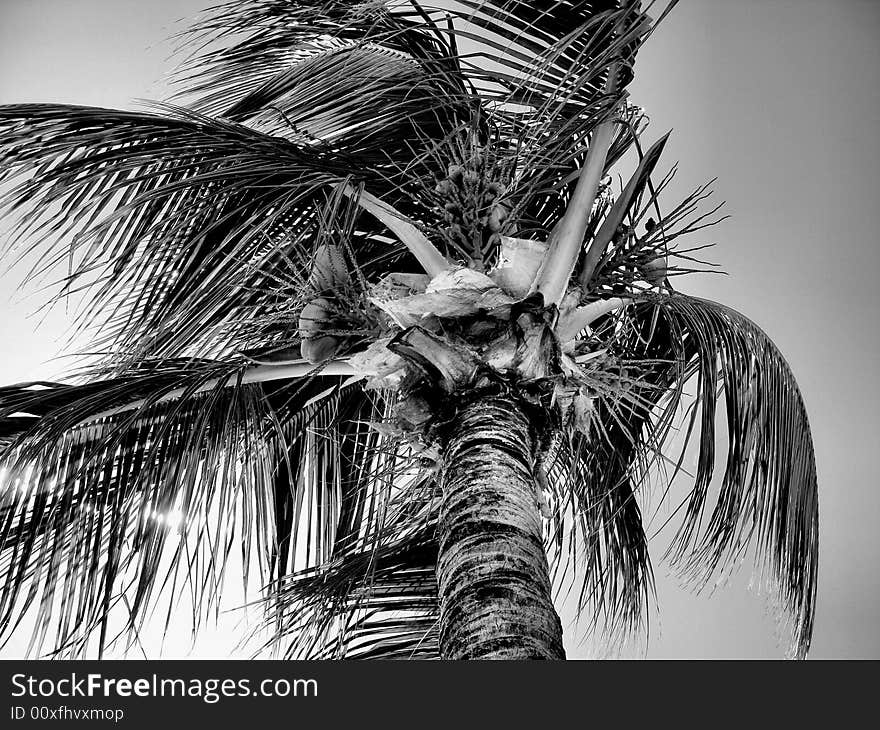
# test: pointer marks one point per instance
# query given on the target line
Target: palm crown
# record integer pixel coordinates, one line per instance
(360, 218)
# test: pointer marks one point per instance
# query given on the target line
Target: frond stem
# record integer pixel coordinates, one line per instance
(258, 374)
(562, 256)
(430, 258)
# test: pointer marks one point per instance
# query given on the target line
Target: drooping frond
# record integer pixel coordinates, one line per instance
(370, 100)
(112, 493)
(600, 547)
(767, 495)
(601, 550)
(251, 50)
(767, 499)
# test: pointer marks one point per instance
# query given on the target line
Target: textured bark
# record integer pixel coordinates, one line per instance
(492, 570)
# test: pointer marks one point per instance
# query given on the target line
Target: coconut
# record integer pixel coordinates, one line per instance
(314, 320)
(454, 172)
(496, 189)
(655, 270)
(470, 177)
(497, 217)
(319, 349)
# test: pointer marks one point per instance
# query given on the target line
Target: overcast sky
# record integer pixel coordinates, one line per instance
(778, 99)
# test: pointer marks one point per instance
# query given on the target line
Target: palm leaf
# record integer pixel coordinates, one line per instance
(373, 602)
(768, 497)
(98, 509)
(173, 221)
(532, 77)
(601, 547)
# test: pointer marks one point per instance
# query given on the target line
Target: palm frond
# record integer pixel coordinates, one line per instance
(173, 221)
(768, 495)
(150, 502)
(371, 101)
(530, 78)
(600, 548)
(379, 603)
(239, 47)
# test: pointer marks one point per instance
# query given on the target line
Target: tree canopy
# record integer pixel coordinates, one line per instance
(298, 266)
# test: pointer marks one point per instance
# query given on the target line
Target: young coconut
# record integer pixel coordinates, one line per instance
(496, 217)
(314, 319)
(655, 270)
(454, 173)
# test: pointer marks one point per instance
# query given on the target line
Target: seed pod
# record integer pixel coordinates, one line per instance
(317, 317)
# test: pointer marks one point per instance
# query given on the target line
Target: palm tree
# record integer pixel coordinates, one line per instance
(366, 310)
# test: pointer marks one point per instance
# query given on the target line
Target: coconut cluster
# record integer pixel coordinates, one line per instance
(472, 201)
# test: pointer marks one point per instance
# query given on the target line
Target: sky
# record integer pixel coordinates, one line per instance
(777, 99)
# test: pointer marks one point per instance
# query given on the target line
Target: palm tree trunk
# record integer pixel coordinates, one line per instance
(492, 569)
